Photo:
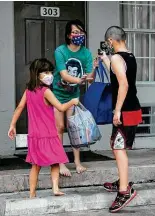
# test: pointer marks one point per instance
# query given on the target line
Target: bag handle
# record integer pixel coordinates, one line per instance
(103, 72)
(79, 105)
(101, 78)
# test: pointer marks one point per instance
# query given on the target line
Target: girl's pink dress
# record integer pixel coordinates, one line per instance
(44, 146)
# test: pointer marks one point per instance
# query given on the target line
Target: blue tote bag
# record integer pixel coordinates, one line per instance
(98, 98)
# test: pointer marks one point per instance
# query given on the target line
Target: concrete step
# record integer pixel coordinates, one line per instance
(148, 210)
(75, 200)
(142, 166)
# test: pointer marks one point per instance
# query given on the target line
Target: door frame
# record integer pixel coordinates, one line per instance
(21, 139)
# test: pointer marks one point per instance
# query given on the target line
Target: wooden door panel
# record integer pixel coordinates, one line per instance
(65, 3)
(35, 34)
(60, 30)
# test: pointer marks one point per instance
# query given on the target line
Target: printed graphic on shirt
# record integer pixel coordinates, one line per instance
(74, 68)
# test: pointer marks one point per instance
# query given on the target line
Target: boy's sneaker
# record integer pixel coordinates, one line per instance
(114, 186)
(122, 199)
(111, 187)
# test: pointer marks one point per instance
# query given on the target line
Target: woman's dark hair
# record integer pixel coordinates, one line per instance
(68, 29)
(38, 66)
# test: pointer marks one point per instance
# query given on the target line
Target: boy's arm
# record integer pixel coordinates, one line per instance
(119, 68)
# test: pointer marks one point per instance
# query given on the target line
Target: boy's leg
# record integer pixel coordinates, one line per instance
(76, 151)
(122, 165)
(119, 142)
(33, 179)
(55, 169)
(60, 124)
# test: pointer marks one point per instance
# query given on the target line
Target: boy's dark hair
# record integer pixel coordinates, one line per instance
(38, 66)
(68, 29)
(116, 33)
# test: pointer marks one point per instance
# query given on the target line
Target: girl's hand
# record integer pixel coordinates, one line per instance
(75, 101)
(12, 132)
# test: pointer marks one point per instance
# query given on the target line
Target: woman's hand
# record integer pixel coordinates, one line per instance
(82, 79)
(12, 132)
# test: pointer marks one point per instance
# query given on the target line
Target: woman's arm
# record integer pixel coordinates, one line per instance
(68, 78)
(61, 67)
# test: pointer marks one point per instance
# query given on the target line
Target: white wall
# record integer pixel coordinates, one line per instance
(7, 84)
(101, 15)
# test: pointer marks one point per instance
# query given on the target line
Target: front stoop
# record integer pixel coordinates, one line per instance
(76, 199)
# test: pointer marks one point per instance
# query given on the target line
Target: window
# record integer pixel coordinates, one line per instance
(138, 20)
(147, 127)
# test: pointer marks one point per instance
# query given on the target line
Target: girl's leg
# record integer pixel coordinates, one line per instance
(59, 117)
(55, 179)
(33, 179)
(76, 151)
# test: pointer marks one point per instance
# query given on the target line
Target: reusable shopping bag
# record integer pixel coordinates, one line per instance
(98, 97)
(82, 128)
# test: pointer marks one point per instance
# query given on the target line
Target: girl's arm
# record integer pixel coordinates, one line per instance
(16, 115)
(53, 100)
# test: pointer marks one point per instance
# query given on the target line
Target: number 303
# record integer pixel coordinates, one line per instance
(50, 11)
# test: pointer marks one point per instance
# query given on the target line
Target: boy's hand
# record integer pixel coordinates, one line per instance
(103, 56)
(95, 63)
(116, 118)
(12, 132)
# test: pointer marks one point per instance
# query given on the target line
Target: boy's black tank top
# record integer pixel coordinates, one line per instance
(131, 102)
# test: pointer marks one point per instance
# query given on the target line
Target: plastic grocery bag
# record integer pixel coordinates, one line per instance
(82, 128)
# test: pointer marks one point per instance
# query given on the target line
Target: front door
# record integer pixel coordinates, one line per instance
(37, 36)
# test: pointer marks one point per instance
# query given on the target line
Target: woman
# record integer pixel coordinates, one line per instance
(74, 65)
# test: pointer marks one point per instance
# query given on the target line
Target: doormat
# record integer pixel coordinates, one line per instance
(18, 162)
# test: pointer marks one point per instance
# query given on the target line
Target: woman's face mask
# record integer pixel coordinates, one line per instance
(78, 40)
(47, 79)
(77, 36)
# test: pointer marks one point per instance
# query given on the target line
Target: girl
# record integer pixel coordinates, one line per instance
(44, 146)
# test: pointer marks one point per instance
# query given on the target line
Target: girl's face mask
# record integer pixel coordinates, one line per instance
(47, 79)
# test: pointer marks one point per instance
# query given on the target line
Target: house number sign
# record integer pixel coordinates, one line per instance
(50, 11)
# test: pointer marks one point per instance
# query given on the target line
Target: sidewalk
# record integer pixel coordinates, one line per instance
(84, 192)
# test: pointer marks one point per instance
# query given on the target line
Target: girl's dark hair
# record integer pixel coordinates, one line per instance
(68, 29)
(38, 66)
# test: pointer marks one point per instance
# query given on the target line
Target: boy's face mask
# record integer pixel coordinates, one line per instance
(47, 79)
